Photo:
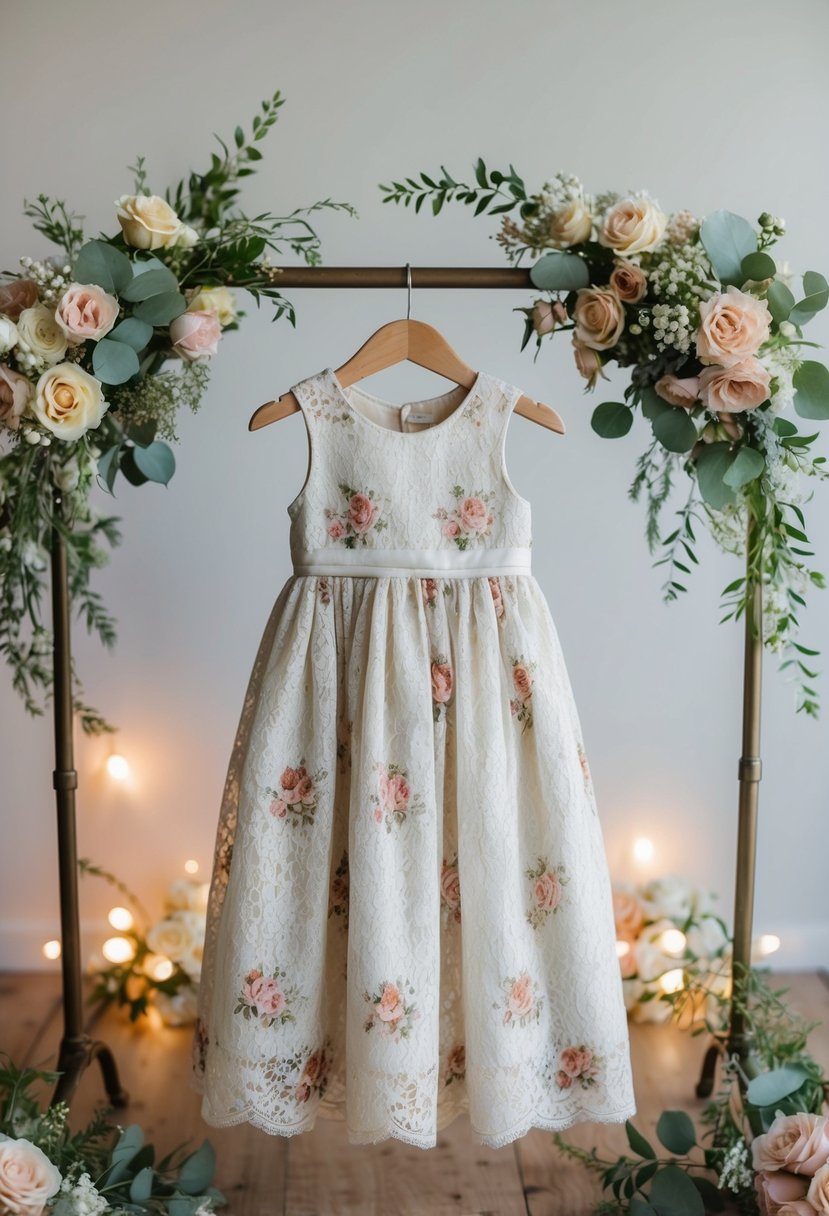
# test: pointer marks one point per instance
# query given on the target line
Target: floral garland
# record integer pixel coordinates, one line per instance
(100, 346)
(712, 332)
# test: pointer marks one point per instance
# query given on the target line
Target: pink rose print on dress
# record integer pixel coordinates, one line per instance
(324, 590)
(297, 794)
(522, 681)
(442, 682)
(450, 888)
(579, 1065)
(264, 998)
(360, 516)
(297, 1078)
(455, 1064)
(470, 520)
(429, 590)
(497, 598)
(547, 882)
(392, 1010)
(314, 1076)
(338, 895)
(394, 801)
(523, 1003)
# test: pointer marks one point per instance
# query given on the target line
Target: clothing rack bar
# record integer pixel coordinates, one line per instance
(507, 277)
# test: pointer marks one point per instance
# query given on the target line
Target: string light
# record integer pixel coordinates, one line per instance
(118, 950)
(121, 918)
(643, 848)
(51, 949)
(622, 948)
(191, 866)
(672, 941)
(767, 943)
(159, 967)
(118, 767)
(672, 981)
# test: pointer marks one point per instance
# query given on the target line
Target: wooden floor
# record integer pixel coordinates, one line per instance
(319, 1173)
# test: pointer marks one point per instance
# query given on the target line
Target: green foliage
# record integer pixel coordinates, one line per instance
(494, 192)
(612, 419)
(559, 271)
(728, 239)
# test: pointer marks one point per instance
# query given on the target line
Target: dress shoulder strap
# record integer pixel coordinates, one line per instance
(317, 401)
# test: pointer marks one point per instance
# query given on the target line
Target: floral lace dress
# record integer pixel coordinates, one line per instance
(410, 912)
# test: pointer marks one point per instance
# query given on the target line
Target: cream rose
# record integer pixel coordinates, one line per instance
(571, 225)
(629, 282)
(172, 937)
(28, 1179)
(195, 334)
(798, 1143)
(39, 332)
(742, 386)
(733, 325)
(68, 401)
(599, 317)
(220, 299)
(678, 390)
(588, 363)
(15, 395)
(147, 221)
(86, 311)
(634, 225)
(818, 1193)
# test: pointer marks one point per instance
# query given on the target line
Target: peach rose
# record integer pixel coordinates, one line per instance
(547, 891)
(441, 682)
(562, 1080)
(733, 325)
(362, 512)
(629, 282)
(542, 317)
(17, 295)
(68, 401)
(521, 999)
(571, 225)
(336, 529)
(473, 514)
(599, 317)
(628, 914)
(15, 393)
(497, 600)
(390, 1005)
(627, 960)
(451, 529)
(818, 1194)
(576, 1061)
(634, 225)
(86, 311)
(304, 790)
(799, 1143)
(741, 386)
(395, 792)
(776, 1189)
(315, 1067)
(450, 886)
(429, 588)
(28, 1179)
(279, 808)
(678, 390)
(588, 363)
(522, 680)
(195, 334)
(289, 778)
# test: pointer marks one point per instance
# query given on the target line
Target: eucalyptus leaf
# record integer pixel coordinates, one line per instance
(100, 263)
(133, 332)
(673, 1193)
(129, 468)
(816, 299)
(128, 1145)
(143, 433)
(758, 266)
(780, 301)
(197, 1171)
(653, 405)
(713, 1199)
(640, 1146)
(675, 429)
(141, 1186)
(713, 463)
(114, 362)
(770, 1087)
(783, 427)
(156, 461)
(640, 1207)
(612, 419)
(151, 282)
(161, 309)
(183, 1205)
(811, 390)
(108, 466)
(675, 1130)
(728, 239)
(560, 271)
(746, 466)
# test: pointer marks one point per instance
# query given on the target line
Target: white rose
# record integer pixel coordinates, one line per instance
(148, 221)
(38, 331)
(220, 299)
(571, 225)
(28, 1179)
(634, 225)
(188, 895)
(671, 896)
(187, 237)
(68, 401)
(172, 937)
(8, 334)
(652, 960)
(180, 1009)
(705, 938)
(68, 476)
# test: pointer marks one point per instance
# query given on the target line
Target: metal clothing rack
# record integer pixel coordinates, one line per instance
(77, 1049)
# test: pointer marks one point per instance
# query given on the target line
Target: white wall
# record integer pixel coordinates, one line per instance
(707, 105)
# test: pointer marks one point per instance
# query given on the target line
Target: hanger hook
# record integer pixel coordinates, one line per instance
(408, 291)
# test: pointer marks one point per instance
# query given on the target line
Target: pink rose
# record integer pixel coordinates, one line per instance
(588, 363)
(15, 391)
(303, 1091)
(456, 1060)
(196, 333)
(289, 778)
(628, 914)
(521, 1000)
(450, 886)
(495, 588)
(629, 282)
(28, 1179)
(362, 512)
(378, 815)
(86, 311)
(522, 680)
(546, 316)
(394, 792)
(547, 891)
(279, 808)
(441, 683)
(627, 960)
(678, 391)
(599, 317)
(16, 296)
(451, 529)
(576, 1061)
(336, 529)
(733, 325)
(304, 790)
(390, 1006)
(429, 588)
(563, 1081)
(740, 386)
(818, 1194)
(473, 514)
(266, 995)
(776, 1189)
(799, 1143)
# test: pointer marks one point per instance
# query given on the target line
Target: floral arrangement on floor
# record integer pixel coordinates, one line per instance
(47, 1169)
(710, 326)
(162, 964)
(674, 953)
(101, 344)
(765, 1139)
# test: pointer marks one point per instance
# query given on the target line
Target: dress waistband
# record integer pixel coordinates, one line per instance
(415, 563)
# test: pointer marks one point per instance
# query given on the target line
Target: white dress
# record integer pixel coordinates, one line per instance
(410, 912)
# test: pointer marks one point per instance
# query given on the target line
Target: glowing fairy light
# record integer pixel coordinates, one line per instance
(672, 941)
(643, 848)
(117, 950)
(121, 919)
(118, 767)
(51, 949)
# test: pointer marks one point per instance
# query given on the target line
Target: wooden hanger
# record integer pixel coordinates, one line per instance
(395, 343)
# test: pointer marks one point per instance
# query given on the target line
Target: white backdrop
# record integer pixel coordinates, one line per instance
(707, 106)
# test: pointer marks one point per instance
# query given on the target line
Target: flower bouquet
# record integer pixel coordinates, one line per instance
(710, 327)
(100, 345)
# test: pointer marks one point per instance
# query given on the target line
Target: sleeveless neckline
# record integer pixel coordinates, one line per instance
(342, 394)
